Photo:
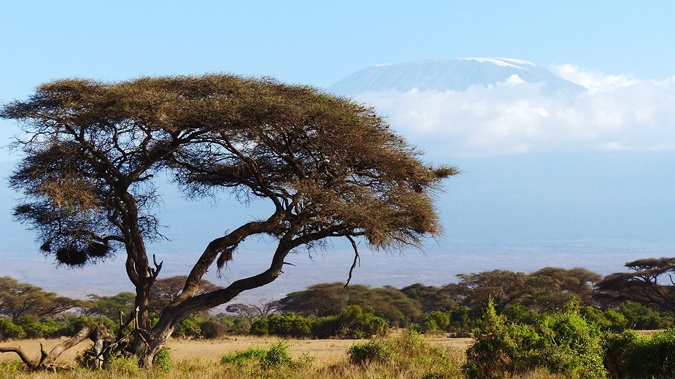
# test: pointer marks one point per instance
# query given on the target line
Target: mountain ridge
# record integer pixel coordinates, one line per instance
(451, 75)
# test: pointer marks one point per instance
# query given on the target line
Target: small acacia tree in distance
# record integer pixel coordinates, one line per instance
(328, 166)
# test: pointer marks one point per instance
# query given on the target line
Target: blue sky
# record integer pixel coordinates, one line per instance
(319, 42)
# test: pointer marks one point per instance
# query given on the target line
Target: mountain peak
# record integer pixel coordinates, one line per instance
(451, 75)
(505, 62)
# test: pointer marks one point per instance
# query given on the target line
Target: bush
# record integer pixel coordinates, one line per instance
(435, 322)
(260, 327)
(12, 368)
(9, 330)
(242, 357)
(188, 327)
(212, 328)
(77, 323)
(289, 326)
(618, 349)
(124, 366)
(629, 356)
(404, 357)
(277, 356)
(355, 323)
(326, 327)
(641, 317)
(162, 360)
(573, 346)
(458, 321)
(238, 325)
(352, 322)
(371, 351)
(563, 344)
(492, 355)
(31, 325)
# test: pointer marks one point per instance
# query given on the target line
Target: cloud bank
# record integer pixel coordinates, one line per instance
(618, 112)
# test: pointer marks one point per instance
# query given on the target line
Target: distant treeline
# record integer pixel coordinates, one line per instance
(636, 299)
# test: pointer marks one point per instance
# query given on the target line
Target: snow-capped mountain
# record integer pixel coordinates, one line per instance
(454, 75)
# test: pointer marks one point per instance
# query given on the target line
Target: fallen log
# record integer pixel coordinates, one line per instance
(47, 360)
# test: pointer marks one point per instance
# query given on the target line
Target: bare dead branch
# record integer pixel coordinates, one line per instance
(24, 358)
(357, 260)
(47, 360)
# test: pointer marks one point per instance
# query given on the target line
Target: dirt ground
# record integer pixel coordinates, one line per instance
(324, 351)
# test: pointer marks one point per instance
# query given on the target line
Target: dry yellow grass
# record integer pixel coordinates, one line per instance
(32, 349)
(326, 352)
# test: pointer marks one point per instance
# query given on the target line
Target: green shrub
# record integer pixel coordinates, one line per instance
(492, 355)
(122, 365)
(239, 325)
(353, 322)
(289, 326)
(434, 322)
(617, 321)
(356, 323)
(13, 367)
(162, 360)
(10, 330)
(240, 358)
(188, 327)
(562, 343)
(31, 326)
(618, 350)
(641, 317)
(52, 327)
(458, 321)
(405, 356)
(629, 356)
(326, 327)
(573, 346)
(212, 328)
(77, 323)
(520, 314)
(371, 351)
(277, 356)
(260, 327)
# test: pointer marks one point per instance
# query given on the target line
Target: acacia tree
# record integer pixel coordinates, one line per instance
(649, 282)
(19, 299)
(165, 290)
(505, 288)
(554, 287)
(329, 168)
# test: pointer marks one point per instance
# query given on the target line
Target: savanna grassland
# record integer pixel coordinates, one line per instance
(429, 356)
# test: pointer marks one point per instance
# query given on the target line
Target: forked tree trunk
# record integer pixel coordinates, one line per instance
(147, 355)
(151, 346)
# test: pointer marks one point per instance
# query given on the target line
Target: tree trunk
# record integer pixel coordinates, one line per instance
(146, 353)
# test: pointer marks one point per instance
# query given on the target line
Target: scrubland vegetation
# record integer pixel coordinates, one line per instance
(554, 323)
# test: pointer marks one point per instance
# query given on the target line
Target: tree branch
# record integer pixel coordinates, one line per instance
(357, 260)
(24, 358)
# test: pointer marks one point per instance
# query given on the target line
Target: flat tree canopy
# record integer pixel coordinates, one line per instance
(329, 166)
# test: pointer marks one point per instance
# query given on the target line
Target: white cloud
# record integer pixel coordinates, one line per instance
(617, 112)
(593, 80)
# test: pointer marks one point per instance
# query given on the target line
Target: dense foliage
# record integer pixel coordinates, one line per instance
(577, 338)
(562, 343)
(356, 311)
